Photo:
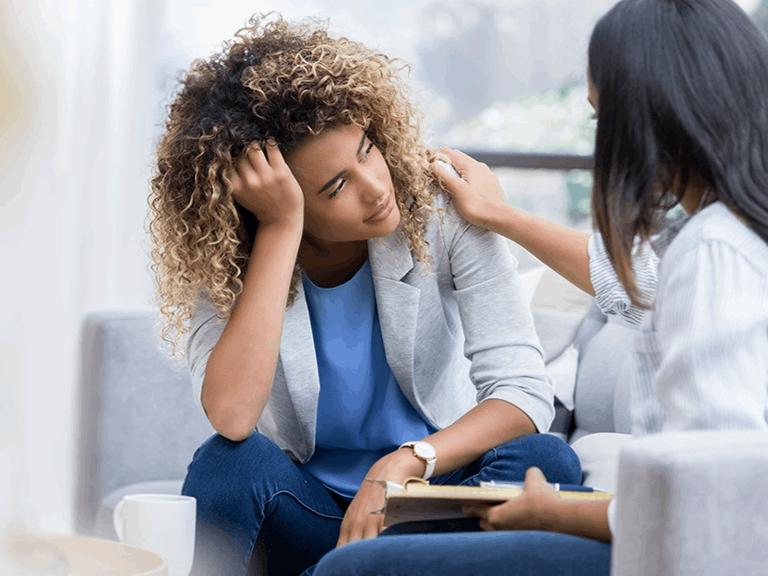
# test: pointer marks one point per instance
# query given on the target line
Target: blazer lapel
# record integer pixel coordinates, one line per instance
(397, 303)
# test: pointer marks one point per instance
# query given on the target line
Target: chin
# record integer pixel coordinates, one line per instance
(391, 223)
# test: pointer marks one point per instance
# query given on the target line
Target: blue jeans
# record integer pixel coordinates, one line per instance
(251, 496)
(477, 553)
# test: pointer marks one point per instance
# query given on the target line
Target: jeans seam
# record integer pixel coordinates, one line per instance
(305, 506)
(254, 538)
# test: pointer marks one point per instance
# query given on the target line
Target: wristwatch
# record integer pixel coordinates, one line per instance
(424, 451)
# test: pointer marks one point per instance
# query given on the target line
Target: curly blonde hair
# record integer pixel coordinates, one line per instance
(276, 81)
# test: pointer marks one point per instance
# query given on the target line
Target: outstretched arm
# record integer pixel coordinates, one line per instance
(479, 198)
(540, 507)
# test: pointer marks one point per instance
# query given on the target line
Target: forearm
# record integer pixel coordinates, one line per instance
(585, 519)
(563, 249)
(241, 367)
(489, 424)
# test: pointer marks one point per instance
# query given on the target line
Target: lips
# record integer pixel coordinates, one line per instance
(383, 209)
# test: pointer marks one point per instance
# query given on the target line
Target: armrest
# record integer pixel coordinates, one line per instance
(692, 503)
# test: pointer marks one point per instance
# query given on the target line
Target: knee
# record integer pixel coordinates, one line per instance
(227, 465)
(553, 456)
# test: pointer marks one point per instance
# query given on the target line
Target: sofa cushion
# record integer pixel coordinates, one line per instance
(603, 381)
(558, 308)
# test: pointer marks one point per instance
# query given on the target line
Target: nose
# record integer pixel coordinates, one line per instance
(375, 186)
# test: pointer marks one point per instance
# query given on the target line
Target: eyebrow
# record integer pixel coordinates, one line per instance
(362, 141)
(340, 174)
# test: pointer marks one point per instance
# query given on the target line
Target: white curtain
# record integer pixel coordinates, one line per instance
(78, 106)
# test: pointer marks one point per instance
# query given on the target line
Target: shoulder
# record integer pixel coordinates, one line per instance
(445, 219)
(448, 227)
(718, 232)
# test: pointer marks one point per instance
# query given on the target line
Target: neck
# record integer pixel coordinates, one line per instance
(695, 189)
(328, 265)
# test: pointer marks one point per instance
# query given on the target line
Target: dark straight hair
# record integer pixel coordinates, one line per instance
(683, 97)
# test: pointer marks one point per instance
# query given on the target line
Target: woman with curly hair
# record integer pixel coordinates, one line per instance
(342, 322)
(680, 92)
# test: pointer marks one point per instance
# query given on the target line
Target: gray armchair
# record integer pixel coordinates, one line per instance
(139, 425)
(692, 504)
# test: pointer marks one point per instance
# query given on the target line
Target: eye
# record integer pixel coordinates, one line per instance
(338, 189)
(594, 116)
(367, 152)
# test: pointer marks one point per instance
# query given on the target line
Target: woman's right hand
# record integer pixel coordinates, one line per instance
(264, 185)
(477, 193)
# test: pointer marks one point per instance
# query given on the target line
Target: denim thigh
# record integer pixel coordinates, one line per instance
(510, 461)
(251, 490)
(503, 553)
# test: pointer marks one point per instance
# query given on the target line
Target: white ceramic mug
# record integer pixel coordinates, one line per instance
(160, 523)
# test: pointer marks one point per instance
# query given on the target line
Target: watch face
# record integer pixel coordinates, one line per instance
(424, 450)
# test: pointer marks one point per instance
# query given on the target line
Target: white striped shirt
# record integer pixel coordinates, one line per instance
(610, 295)
(701, 358)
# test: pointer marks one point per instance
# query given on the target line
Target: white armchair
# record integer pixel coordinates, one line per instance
(693, 503)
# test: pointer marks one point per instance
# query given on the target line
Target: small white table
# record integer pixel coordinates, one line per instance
(31, 554)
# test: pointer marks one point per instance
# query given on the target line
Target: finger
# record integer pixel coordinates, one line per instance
(462, 162)
(475, 511)
(255, 156)
(245, 168)
(237, 183)
(273, 155)
(450, 182)
(371, 531)
(343, 533)
(353, 536)
(442, 174)
(534, 477)
(486, 526)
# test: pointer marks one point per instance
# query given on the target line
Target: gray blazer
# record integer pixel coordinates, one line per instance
(455, 332)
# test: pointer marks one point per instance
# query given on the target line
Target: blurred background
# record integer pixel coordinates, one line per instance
(83, 86)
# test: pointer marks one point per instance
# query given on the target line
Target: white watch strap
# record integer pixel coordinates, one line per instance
(430, 463)
(430, 468)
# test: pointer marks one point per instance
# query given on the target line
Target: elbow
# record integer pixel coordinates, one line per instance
(230, 421)
(232, 407)
(235, 433)
(231, 427)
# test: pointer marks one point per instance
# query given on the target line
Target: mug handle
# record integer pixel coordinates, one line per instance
(117, 519)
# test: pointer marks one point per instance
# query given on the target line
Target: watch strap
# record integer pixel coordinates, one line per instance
(430, 463)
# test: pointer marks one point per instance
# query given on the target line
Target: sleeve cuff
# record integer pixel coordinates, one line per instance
(610, 295)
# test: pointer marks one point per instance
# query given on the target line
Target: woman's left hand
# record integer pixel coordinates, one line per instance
(535, 509)
(359, 523)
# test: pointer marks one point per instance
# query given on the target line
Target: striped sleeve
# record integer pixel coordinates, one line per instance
(610, 295)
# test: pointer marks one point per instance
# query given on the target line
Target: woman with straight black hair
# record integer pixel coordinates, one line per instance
(680, 92)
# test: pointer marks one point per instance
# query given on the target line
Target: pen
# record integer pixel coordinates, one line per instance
(556, 486)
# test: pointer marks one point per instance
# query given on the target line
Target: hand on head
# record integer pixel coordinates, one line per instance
(477, 194)
(263, 184)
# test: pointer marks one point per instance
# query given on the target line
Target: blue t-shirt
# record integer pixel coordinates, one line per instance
(362, 414)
